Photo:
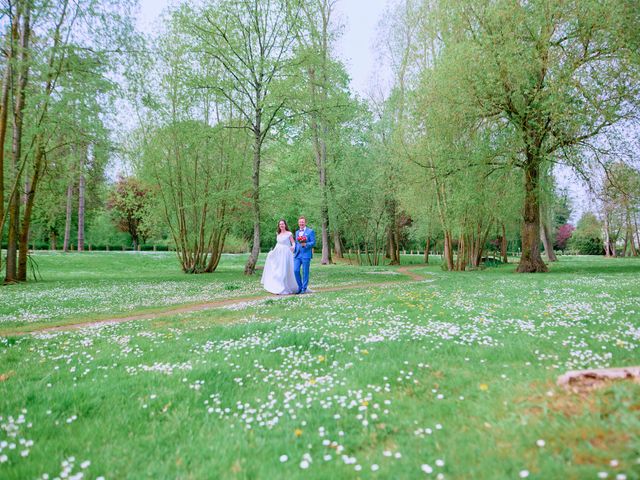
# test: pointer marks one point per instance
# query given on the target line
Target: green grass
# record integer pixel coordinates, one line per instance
(456, 372)
(80, 287)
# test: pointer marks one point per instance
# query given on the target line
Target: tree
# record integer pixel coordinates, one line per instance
(128, 203)
(252, 41)
(325, 102)
(193, 150)
(198, 174)
(563, 236)
(555, 75)
(40, 73)
(587, 237)
(622, 205)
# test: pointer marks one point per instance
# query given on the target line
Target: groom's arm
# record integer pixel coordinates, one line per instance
(311, 241)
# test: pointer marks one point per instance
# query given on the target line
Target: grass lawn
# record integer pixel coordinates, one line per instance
(450, 377)
(78, 287)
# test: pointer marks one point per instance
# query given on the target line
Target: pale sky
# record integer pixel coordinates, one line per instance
(355, 48)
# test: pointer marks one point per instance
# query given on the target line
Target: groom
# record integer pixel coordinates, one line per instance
(305, 240)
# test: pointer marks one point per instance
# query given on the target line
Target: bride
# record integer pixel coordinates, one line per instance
(277, 276)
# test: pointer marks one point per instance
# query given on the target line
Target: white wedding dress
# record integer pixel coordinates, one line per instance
(277, 276)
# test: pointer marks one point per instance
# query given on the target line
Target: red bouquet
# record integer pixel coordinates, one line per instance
(302, 239)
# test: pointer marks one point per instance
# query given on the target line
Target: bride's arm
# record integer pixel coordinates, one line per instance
(293, 244)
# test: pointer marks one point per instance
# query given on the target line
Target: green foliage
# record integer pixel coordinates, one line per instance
(129, 204)
(562, 208)
(101, 232)
(587, 237)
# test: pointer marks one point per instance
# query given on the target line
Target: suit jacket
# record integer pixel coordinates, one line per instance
(306, 252)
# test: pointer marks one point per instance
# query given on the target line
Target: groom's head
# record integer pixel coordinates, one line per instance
(302, 222)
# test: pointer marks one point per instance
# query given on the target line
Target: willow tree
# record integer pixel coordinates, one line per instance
(197, 172)
(457, 169)
(252, 41)
(554, 74)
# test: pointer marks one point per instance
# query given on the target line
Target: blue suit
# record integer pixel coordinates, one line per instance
(302, 258)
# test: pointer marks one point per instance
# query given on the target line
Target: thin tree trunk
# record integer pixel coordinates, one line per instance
(250, 267)
(460, 256)
(607, 240)
(16, 150)
(632, 250)
(480, 243)
(4, 109)
(448, 251)
(635, 221)
(546, 241)
(81, 187)
(67, 224)
(427, 247)
(28, 209)
(320, 151)
(392, 237)
(626, 244)
(531, 260)
(38, 165)
(53, 240)
(503, 245)
(337, 244)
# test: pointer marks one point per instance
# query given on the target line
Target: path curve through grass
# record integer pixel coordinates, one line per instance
(215, 304)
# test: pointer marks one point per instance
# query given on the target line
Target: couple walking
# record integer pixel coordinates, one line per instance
(281, 274)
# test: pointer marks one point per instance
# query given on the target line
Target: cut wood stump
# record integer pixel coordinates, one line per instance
(585, 380)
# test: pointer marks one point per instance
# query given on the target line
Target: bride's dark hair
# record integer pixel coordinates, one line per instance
(286, 227)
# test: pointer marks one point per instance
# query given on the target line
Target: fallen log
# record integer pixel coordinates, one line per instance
(597, 378)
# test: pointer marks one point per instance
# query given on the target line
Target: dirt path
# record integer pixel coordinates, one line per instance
(215, 304)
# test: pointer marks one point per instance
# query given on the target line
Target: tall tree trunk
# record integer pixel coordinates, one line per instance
(81, 187)
(531, 260)
(427, 247)
(607, 239)
(320, 150)
(607, 246)
(503, 245)
(16, 150)
(392, 234)
(461, 255)
(250, 267)
(4, 109)
(28, 210)
(546, 241)
(67, 223)
(626, 244)
(480, 242)
(632, 250)
(635, 221)
(31, 185)
(448, 251)
(337, 244)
